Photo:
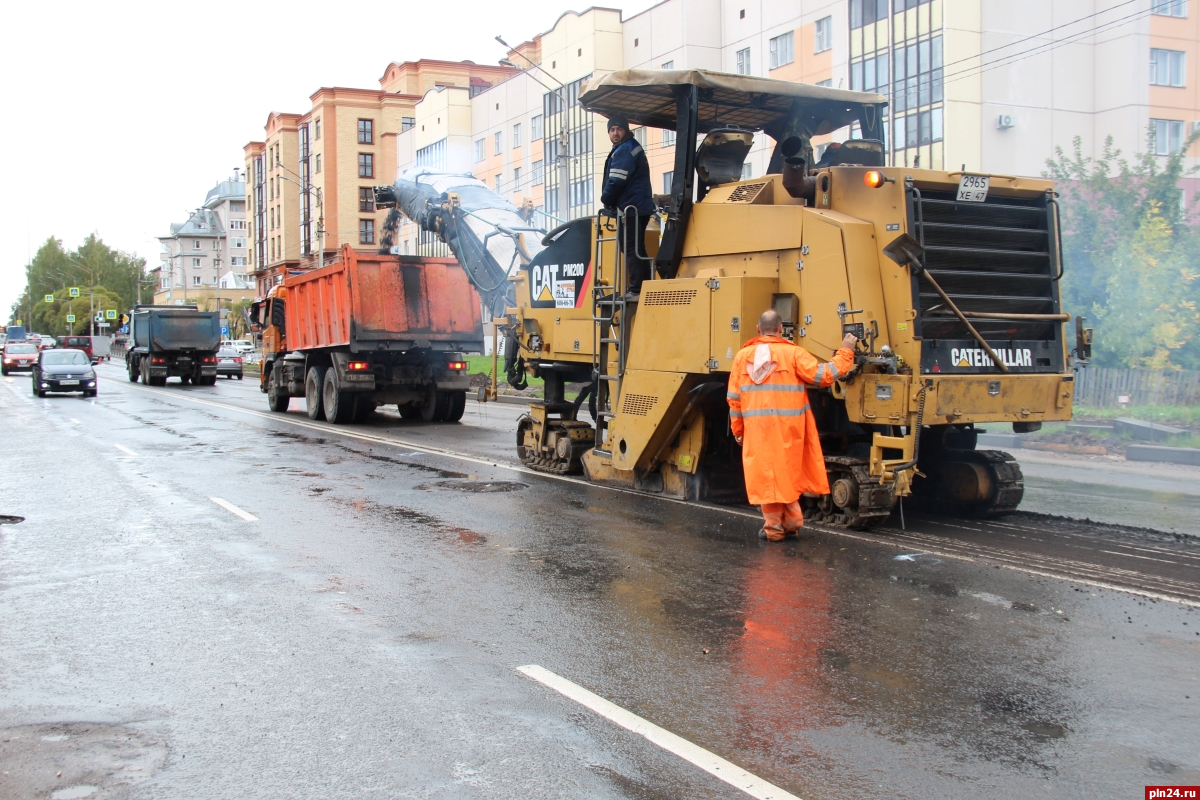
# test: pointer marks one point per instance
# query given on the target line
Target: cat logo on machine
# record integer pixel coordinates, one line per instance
(556, 285)
(974, 357)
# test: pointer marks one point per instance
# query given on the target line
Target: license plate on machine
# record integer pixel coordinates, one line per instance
(68, 383)
(973, 188)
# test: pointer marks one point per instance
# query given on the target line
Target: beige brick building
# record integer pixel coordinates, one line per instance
(309, 182)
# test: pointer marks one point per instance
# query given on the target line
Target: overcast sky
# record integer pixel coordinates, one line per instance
(121, 115)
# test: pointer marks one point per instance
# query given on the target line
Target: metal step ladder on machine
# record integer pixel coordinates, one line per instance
(611, 307)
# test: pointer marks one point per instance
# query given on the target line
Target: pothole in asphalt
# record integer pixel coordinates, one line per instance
(479, 487)
(75, 760)
(9, 519)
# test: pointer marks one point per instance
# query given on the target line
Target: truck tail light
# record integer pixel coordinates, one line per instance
(209, 359)
(158, 360)
(358, 366)
(457, 365)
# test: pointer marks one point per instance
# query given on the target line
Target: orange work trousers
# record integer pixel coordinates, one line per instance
(781, 519)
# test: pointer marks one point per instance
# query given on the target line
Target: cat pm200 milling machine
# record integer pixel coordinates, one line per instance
(950, 281)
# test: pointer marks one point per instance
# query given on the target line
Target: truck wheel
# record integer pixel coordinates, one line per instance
(435, 406)
(441, 406)
(277, 400)
(313, 384)
(339, 405)
(458, 405)
(133, 373)
(409, 410)
(144, 371)
(363, 409)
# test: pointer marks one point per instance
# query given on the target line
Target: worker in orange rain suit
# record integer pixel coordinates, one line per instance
(771, 419)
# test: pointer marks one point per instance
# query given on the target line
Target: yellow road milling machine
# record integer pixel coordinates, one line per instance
(950, 280)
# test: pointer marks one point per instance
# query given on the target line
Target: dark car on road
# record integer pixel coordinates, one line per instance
(64, 371)
(18, 356)
(229, 363)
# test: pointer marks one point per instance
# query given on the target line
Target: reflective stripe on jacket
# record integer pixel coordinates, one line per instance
(627, 179)
(781, 450)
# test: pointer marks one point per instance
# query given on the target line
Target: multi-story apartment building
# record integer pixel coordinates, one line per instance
(309, 182)
(207, 256)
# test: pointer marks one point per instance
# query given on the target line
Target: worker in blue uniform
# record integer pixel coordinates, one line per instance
(627, 192)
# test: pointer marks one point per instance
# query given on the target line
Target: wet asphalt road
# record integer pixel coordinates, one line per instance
(361, 637)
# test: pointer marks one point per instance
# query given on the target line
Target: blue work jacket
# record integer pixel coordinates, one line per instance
(627, 178)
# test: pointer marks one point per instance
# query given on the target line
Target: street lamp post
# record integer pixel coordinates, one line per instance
(564, 140)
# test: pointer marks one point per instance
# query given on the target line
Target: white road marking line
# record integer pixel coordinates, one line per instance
(231, 508)
(711, 763)
(938, 547)
(124, 449)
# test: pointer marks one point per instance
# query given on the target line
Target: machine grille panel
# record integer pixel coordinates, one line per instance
(669, 297)
(999, 256)
(638, 405)
(746, 193)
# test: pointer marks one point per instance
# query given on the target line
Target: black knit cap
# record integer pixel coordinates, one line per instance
(618, 121)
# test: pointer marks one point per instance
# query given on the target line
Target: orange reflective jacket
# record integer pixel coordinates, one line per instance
(781, 451)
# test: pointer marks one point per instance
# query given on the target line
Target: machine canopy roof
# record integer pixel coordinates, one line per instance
(647, 97)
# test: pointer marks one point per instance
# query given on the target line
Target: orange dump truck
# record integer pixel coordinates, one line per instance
(367, 330)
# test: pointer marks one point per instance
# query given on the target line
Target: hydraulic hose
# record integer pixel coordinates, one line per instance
(917, 435)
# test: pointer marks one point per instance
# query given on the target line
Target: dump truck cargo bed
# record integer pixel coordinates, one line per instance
(369, 301)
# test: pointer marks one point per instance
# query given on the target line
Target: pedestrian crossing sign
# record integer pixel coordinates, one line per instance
(73, 291)
(70, 317)
(49, 298)
(111, 314)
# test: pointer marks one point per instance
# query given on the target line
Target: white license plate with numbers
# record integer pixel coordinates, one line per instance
(68, 383)
(973, 188)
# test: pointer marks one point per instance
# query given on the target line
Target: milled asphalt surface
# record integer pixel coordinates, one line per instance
(361, 638)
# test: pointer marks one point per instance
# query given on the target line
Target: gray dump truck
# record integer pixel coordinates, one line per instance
(173, 341)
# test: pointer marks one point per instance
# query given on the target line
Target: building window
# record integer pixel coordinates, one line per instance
(479, 151)
(669, 64)
(667, 178)
(537, 173)
(1166, 67)
(366, 131)
(581, 192)
(366, 199)
(195, 280)
(743, 61)
(917, 129)
(917, 73)
(516, 178)
(317, 128)
(165, 283)
(823, 35)
(406, 123)
(535, 127)
(496, 182)
(366, 165)
(318, 162)
(1168, 136)
(239, 243)
(237, 261)
(517, 135)
(196, 244)
(195, 262)
(237, 224)
(498, 143)
(828, 83)
(668, 138)
(872, 73)
(781, 50)
(433, 155)
(864, 12)
(1170, 8)
(366, 231)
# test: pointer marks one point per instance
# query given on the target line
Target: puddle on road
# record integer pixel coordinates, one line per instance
(478, 487)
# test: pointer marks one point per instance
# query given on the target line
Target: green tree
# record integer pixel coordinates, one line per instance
(92, 264)
(1128, 245)
(51, 318)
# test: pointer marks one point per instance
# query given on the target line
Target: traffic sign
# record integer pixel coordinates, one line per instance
(73, 291)
(49, 298)
(225, 331)
(70, 317)
(110, 314)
